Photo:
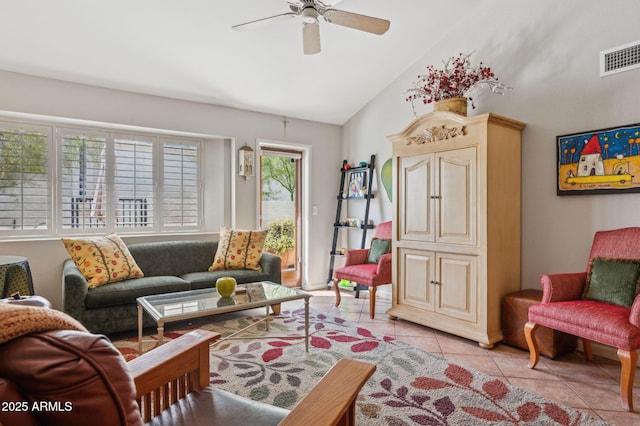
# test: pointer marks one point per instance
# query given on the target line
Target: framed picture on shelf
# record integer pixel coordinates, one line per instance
(357, 184)
(605, 161)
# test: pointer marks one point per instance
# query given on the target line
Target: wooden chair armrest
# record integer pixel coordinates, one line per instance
(169, 372)
(333, 400)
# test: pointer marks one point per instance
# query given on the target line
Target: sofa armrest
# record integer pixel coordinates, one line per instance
(562, 287)
(356, 257)
(333, 400)
(272, 265)
(74, 290)
(183, 363)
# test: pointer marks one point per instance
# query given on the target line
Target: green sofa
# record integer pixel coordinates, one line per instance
(167, 266)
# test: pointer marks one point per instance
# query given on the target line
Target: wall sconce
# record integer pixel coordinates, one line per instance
(245, 161)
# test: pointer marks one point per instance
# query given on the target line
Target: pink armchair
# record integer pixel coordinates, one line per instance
(357, 269)
(563, 308)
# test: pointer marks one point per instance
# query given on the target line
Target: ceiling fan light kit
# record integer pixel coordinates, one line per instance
(310, 10)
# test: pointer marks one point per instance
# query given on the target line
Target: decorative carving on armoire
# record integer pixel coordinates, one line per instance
(436, 134)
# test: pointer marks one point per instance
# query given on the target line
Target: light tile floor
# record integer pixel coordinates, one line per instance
(569, 379)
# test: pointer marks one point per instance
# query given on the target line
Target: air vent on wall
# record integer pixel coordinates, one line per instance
(621, 58)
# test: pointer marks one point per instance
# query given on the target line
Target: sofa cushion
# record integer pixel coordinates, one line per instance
(200, 280)
(173, 257)
(102, 260)
(239, 249)
(126, 292)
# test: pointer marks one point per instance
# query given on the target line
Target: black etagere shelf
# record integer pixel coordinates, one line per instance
(355, 185)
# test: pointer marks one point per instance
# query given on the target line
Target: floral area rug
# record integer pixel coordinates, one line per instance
(409, 387)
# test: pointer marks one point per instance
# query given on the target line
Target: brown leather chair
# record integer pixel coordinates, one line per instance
(70, 377)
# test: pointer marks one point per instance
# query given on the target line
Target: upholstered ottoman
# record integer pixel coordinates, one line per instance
(515, 307)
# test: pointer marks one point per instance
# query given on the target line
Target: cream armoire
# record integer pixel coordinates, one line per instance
(456, 222)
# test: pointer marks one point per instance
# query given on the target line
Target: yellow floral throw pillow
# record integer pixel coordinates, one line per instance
(238, 249)
(102, 260)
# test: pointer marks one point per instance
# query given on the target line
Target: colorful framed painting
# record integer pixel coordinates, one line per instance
(357, 184)
(605, 161)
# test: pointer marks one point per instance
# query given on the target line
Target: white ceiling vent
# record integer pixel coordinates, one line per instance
(621, 58)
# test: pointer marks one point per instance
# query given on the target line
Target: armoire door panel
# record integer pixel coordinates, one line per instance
(417, 273)
(416, 186)
(457, 189)
(456, 293)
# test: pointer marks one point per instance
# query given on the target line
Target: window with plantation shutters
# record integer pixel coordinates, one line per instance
(58, 180)
(107, 181)
(24, 179)
(181, 193)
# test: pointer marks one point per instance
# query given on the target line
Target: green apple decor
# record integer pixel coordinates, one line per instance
(226, 286)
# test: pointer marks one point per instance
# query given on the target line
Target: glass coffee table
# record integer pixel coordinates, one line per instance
(184, 305)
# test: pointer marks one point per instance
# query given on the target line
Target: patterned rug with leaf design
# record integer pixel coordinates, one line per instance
(410, 386)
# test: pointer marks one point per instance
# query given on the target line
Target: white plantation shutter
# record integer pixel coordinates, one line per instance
(82, 186)
(24, 178)
(133, 182)
(181, 193)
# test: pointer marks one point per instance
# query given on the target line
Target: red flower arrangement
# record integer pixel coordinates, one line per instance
(457, 79)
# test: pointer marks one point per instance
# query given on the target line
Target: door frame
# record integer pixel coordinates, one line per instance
(305, 185)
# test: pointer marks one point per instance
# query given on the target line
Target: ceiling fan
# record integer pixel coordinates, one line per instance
(310, 11)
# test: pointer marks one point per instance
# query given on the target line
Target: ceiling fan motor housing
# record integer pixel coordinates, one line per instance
(309, 15)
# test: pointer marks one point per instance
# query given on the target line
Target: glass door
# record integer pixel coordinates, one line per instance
(280, 207)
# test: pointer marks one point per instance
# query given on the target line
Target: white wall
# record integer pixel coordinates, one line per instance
(548, 51)
(33, 95)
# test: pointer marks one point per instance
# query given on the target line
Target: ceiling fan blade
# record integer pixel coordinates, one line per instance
(311, 38)
(263, 22)
(356, 21)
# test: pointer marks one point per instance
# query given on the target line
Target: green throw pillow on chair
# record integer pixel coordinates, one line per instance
(379, 247)
(613, 281)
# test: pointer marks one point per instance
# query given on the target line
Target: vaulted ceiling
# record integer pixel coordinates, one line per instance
(186, 49)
